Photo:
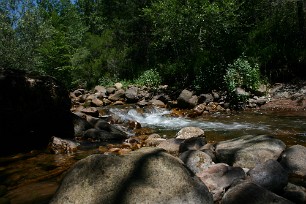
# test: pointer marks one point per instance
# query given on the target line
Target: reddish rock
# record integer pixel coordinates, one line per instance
(285, 105)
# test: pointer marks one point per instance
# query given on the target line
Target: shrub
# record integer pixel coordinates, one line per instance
(242, 74)
(150, 78)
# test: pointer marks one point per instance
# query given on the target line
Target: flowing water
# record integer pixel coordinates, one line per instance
(287, 126)
(34, 177)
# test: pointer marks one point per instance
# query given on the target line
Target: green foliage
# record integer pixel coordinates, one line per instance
(193, 38)
(150, 78)
(277, 38)
(190, 43)
(98, 59)
(242, 74)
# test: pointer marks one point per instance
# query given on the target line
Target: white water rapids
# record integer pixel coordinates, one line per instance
(160, 118)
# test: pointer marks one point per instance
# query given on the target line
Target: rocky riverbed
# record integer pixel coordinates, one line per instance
(130, 163)
(248, 169)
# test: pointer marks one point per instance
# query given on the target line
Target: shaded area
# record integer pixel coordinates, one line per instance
(33, 108)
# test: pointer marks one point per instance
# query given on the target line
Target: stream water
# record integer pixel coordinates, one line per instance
(287, 126)
(33, 177)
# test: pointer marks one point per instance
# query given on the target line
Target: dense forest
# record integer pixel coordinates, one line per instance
(204, 44)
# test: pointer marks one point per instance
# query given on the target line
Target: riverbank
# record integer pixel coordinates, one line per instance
(278, 97)
(287, 97)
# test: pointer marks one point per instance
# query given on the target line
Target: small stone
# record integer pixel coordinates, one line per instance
(118, 85)
(189, 132)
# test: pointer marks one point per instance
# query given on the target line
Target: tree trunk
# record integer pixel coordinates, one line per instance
(301, 16)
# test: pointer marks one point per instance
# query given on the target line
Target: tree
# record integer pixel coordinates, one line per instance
(63, 31)
(276, 39)
(194, 39)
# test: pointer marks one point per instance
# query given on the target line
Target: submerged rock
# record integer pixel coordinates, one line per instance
(148, 175)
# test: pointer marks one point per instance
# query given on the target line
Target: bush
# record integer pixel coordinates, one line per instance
(242, 74)
(150, 78)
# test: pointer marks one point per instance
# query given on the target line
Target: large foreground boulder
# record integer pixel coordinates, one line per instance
(32, 110)
(249, 150)
(148, 175)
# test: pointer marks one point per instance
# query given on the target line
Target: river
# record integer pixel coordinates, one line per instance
(33, 177)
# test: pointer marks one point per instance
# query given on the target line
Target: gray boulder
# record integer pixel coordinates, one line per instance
(131, 95)
(194, 143)
(196, 161)
(296, 194)
(218, 177)
(80, 125)
(250, 193)
(110, 90)
(172, 145)
(162, 97)
(270, 175)
(241, 92)
(249, 150)
(293, 160)
(186, 99)
(154, 140)
(206, 98)
(158, 103)
(118, 95)
(148, 175)
(100, 89)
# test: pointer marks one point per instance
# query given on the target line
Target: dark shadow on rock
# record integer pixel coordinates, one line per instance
(137, 175)
(32, 110)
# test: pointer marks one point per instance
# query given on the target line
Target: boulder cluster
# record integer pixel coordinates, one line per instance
(187, 169)
(198, 104)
